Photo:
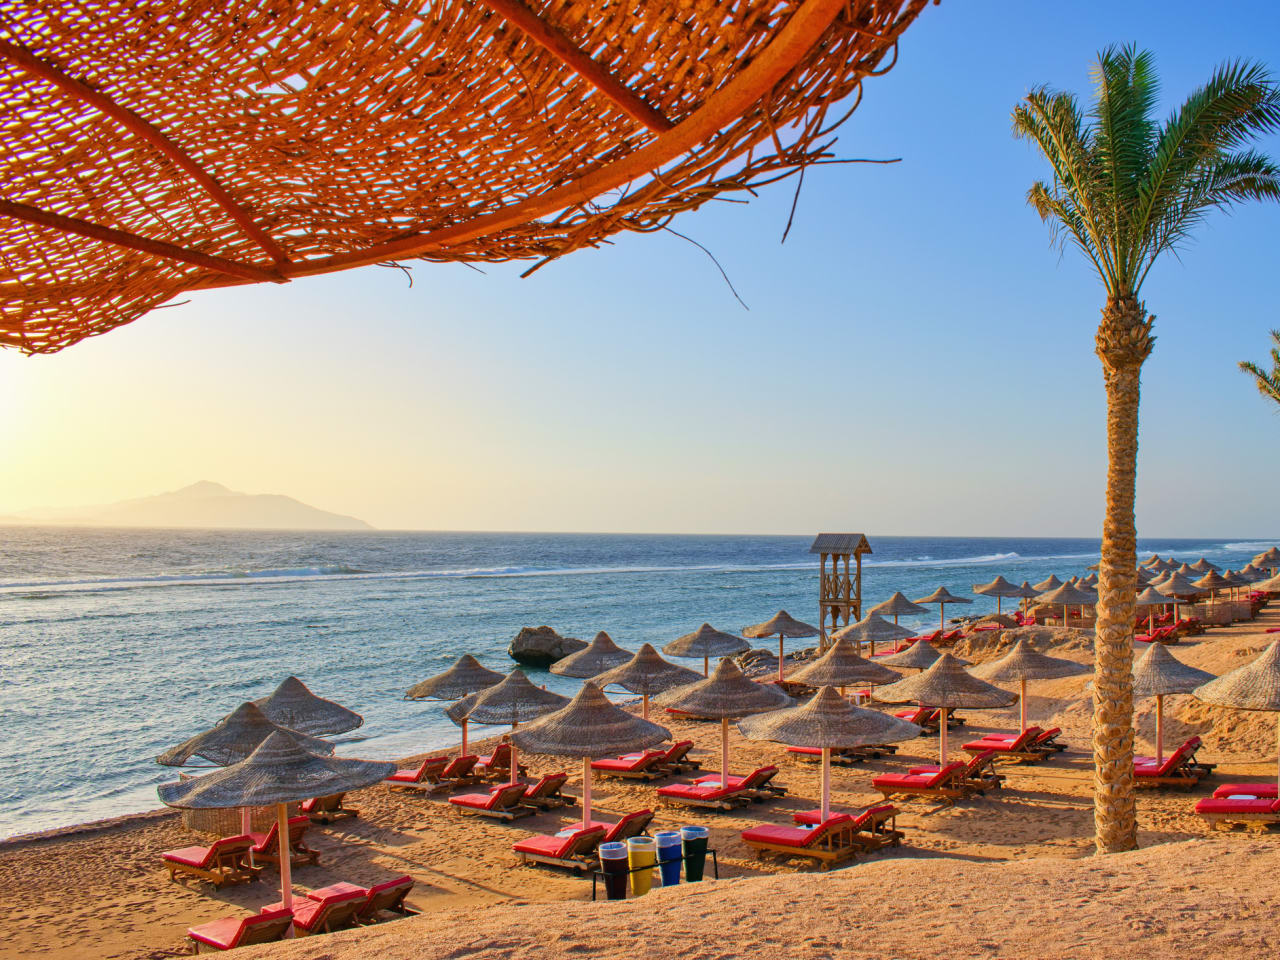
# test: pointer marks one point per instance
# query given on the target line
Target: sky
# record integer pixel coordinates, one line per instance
(916, 359)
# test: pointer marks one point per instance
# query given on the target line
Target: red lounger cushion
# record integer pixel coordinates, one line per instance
(484, 801)
(412, 774)
(806, 751)
(229, 931)
(797, 837)
(1223, 805)
(693, 791)
(627, 764)
(815, 816)
(1246, 790)
(550, 846)
(203, 856)
(924, 780)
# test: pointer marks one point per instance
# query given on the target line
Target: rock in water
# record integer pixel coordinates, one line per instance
(542, 646)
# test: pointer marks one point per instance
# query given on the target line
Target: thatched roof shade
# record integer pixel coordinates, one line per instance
(1044, 586)
(278, 771)
(514, 700)
(647, 673)
(1024, 663)
(1026, 591)
(946, 684)
(293, 706)
(1151, 597)
(999, 587)
(1159, 673)
(827, 720)
(850, 543)
(599, 655)
(781, 624)
(466, 676)
(943, 595)
(841, 666)
(1268, 558)
(919, 655)
(1255, 686)
(1068, 593)
(1204, 566)
(1176, 585)
(1271, 585)
(205, 145)
(872, 628)
(588, 726)
(898, 606)
(234, 737)
(706, 641)
(1212, 581)
(727, 693)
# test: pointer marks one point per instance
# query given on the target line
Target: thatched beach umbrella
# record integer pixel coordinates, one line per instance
(1090, 581)
(1151, 598)
(871, 628)
(1178, 587)
(588, 727)
(1160, 673)
(646, 674)
(921, 655)
(1150, 561)
(466, 676)
(514, 701)
(1204, 566)
(726, 695)
(1187, 570)
(898, 606)
(942, 596)
(234, 737)
(292, 705)
(841, 666)
(1025, 592)
(1145, 575)
(1255, 686)
(826, 721)
(1269, 586)
(781, 625)
(279, 772)
(947, 686)
(998, 588)
(1065, 594)
(1212, 582)
(1049, 583)
(1022, 664)
(706, 642)
(1269, 558)
(599, 655)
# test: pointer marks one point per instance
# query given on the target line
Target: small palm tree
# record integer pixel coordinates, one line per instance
(1268, 383)
(1124, 190)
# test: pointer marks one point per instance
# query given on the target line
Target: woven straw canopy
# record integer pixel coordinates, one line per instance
(1255, 686)
(647, 673)
(1204, 566)
(297, 708)
(1176, 585)
(1270, 586)
(1151, 597)
(1153, 559)
(999, 587)
(466, 676)
(943, 595)
(166, 147)
(234, 737)
(1091, 580)
(898, 606)
(841, 666)
(1067, 593)
(706, 641)
(598, 656)
(1023, 663)
(872, 628)
(919, 655)
(457, 712)
(827, 720)
(279, 771)
(1159, 673)
(1186, 570)
(781, 624)
(946, 684)
(1212, 581)
(589, 726)
(1268, 558)
(726, 694)
(1044, 586)
(1025, 591)
(513, 701)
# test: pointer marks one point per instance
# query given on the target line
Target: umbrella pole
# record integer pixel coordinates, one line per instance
(515, 760)
(1278, 751)
(997, 604)
(942, 736)
(780, 674)
(586, 792)
(826, 783)
(286, 865)
(644, 706)
(1151, 620)
(706, 666)
(1159, 728)
(942, 617)
(1022, 706)
(246, 826)
(464, 736)
(724, 753)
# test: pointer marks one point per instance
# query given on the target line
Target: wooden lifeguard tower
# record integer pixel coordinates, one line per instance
(839, 592)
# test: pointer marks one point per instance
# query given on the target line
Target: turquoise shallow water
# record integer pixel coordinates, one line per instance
(115, 645)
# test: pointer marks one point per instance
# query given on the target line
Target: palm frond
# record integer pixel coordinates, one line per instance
(1268, 384)
(1127, 90)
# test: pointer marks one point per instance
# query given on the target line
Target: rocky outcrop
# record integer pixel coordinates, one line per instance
(762, 662)
(542, 646)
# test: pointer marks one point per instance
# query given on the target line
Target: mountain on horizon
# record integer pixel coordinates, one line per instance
(205, 505)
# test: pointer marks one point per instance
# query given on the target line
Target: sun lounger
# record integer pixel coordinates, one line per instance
(573, 851)
(874, 827)
(266, 846)
(758, 784)
(1179, 769)
(839, 755)
(948, 638)
(330, 911)
(1011, 746)
(929, 718)
(979, 773)
(676, 760)
(546, 793)
(230, 932)
(1252, 811)
(946, 784)
(636, 766)
(829, 842)
(1259, 790)
(222, 862)
(497, 765)
(632, 825)
(371, 902)
(426, 772)
(327, 809)
(707, 791)
(501, 802)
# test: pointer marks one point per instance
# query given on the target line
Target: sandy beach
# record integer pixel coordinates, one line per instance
(101, 890)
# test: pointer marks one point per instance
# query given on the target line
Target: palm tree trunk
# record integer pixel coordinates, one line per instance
(1123, 343)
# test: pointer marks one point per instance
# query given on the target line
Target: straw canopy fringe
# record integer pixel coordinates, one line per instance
(898, 606)
(599, 655)
(999, 587)
(1151, 597)
(1204, 566)
(647, 673)
(841, 666)
(1025, 591)
(234, 737)
(297, 708)
(943, 595)
(1023, 663)
(291, 144)
(726, 694)
(1176, 585)
(457, 712)
(706, 641)
(1255, 686)
(1212, 581)
(1159, 673)
(1268, 558)
(513, 701)
(589, 726)
(919, 655)
(1067, 593)
(1270, 586)
(279, 771)
(872, 628)
(946, 684)
(1044, 586)
(827, 720)
(781, 624)
(466, 676)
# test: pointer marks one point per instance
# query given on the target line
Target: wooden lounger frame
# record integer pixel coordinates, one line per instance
(729, 801)
(1254, 822)
(833, 847)
(229, 866)
(332, 811)
(872, 834)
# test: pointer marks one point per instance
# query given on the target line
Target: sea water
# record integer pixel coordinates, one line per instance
(118, 644)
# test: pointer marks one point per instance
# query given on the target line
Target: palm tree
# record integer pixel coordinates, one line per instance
(1124, 190)
(1268, 383)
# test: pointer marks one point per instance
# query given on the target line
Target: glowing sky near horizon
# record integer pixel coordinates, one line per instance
(916, 358)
